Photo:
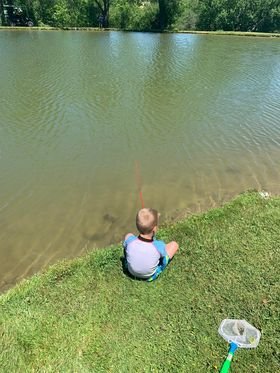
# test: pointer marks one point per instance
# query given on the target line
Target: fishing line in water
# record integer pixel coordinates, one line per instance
(139, 182)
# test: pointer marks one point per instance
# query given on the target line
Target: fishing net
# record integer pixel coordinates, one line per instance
(240, 332)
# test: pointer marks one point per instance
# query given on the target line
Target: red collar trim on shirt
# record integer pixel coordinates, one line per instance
(145, 239)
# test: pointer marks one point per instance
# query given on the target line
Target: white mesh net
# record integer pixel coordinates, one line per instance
(240, 332)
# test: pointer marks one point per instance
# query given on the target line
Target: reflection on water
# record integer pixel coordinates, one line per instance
(199, 113)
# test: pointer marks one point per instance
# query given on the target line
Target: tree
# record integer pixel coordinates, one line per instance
(239, 15)
(1, 12)
(29, 7)
(187, 15)
(168, 11)
(104, 6)
(162, 14)
(235, 15)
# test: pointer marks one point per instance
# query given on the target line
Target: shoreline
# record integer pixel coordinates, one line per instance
(181, 217)
(87, 315)
(177, 216)
(96, 29)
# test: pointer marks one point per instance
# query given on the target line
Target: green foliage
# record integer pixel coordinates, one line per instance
(119, 15)
(61, 16)
(133, 15)
(227, 15)
(144, 18)
(61, 13)
(168, 12)
(239, 15)
(187, 15)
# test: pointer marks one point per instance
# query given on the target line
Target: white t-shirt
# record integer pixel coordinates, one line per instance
(143, 255)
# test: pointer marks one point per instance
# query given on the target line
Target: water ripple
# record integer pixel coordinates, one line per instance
(199, 113)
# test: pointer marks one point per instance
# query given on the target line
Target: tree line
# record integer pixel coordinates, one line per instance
(227, 15)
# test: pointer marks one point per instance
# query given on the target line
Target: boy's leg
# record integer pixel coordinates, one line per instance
(160, 268)
(171, 248)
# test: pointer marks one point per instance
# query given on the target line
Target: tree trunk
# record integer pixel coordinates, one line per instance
(104, 6)
(1, 12)
(162, 14)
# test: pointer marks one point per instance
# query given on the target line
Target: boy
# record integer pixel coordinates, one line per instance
(146, 257)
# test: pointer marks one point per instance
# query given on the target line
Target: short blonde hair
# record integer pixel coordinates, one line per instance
(146, 220)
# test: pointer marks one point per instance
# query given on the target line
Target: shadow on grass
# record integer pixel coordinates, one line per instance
(127, 273)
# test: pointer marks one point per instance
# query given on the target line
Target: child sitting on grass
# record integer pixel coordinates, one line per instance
(146, 257)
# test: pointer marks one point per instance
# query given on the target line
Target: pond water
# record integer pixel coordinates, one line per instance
(87, 119)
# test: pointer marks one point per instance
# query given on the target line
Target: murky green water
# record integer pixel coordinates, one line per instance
(200, 114)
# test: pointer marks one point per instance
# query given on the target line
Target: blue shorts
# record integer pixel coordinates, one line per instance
(164, 262)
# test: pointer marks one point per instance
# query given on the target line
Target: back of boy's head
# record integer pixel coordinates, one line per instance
(146, 220)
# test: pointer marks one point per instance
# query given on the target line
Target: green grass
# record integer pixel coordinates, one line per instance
(87, 316)
(235, 33)
(220, 32)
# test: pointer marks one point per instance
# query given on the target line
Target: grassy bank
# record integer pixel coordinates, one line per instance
(87, 316)
(232, 33)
